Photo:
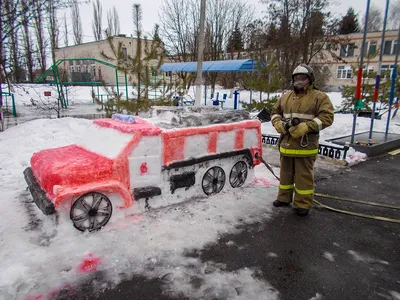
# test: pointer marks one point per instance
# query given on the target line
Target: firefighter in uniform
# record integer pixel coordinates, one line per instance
(299, 116)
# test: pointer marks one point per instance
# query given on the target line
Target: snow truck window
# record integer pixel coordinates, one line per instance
(105, 141)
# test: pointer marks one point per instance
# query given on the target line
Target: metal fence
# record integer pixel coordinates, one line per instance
(329, 150)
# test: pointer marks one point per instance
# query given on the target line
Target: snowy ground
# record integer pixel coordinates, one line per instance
(38, 259)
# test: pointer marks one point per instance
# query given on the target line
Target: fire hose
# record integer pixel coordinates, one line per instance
(343, 199)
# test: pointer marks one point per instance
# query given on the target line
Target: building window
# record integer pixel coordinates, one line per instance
(343, 50)
(372, 48)
(365, 48)
(71, 62)
(387, 71)
(387, 49)
(71, 69)
(347, 50)
(124, 53)
(344, 72)
(369, 72)
(394, 48)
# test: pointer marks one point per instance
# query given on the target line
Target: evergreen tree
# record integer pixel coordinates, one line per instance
(235, 42)
(142, 68)
(349, 23)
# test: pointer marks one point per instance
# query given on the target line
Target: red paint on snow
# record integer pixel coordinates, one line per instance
(253, 151)
(174, 139)
(37, 297)
(143, 168)
(264, 182)
(89, 264)
(174, 148)
(69, 166)
(213, 128)
(141, 126)
(239, 139)
(212, 142)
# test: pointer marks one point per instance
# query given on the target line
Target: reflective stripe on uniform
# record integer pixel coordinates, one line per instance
(276, 116)
(300, 116)
(286, 186)
(304, 192)
(319, 123)
(298, 152)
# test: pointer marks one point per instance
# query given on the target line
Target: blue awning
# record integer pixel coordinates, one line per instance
(239, 65)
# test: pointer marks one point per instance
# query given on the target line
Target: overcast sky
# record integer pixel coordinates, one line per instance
(151, 8)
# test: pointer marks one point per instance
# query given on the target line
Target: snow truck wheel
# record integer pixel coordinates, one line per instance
(213, 181)
(238, 174)
(91, 211)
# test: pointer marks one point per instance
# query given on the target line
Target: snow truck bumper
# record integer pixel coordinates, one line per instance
(38, 194)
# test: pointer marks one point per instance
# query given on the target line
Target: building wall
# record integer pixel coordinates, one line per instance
(346, 54)
(92, 71)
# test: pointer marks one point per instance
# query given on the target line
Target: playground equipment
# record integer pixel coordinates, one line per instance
(7, 96)
(83, 78)
(219, 66)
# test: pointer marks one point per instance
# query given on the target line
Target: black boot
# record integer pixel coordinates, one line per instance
(302, 212)
(278, 203)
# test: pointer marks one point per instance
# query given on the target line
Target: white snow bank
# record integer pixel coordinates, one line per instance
(39, 259)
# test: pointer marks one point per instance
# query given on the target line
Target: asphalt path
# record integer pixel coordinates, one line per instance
(325, 255)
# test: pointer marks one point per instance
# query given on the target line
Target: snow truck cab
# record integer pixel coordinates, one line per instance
(139, 161)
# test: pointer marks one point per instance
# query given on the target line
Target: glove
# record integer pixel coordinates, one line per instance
(299, 130)
(280, 127)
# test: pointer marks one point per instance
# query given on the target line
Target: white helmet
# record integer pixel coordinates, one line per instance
(303, 69)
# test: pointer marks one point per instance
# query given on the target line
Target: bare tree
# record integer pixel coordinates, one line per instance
(394, 15)
(117, 26)
(38, 19)
(2, 64)
(27, 39)
(179, 20)
(374, 19)
(137, 25)
(53, 27)
(113, 22)
(97, 20)
(297, 31)
(65, 31)
(76, 23)
(224, 18)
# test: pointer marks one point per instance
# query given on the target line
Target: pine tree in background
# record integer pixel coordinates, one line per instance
(141, 68)
(349, 23)
(235, 42)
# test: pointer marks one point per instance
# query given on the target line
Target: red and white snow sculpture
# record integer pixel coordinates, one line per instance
(146, 162)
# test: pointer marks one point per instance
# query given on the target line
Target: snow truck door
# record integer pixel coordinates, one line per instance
(145, 165)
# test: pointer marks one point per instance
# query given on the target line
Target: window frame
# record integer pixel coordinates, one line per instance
(344, 72)
(390, 48)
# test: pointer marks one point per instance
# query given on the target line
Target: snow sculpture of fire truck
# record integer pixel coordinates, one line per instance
(140, 161)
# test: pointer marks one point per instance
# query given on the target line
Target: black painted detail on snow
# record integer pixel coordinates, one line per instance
(185, 180)
(332, 151)
(198, 160)
(146, 192)
(38, 194)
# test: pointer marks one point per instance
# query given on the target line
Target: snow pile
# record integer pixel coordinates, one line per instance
(40, 259)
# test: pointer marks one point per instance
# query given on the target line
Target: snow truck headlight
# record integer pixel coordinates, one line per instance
(57, 189)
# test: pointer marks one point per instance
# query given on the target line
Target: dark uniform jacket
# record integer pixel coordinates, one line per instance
(313, 107)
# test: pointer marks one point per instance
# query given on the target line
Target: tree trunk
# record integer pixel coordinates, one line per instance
(38, 18)
(28, 44)
(1, 72)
